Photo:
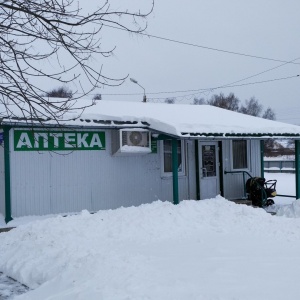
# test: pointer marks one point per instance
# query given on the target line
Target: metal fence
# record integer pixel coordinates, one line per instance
(281, 166)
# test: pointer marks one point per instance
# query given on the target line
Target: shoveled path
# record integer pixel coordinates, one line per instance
(10, 288)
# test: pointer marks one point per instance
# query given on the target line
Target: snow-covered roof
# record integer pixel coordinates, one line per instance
(186, 120)
(182, 120)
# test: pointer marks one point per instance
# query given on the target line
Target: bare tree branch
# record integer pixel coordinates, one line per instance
(54, 40)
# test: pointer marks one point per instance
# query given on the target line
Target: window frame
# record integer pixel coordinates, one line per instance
(162, 161)
(247, 155)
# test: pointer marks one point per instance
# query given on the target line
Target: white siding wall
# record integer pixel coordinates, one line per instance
(233, 183)
(47, 182)
(44, 183)
(191, 170)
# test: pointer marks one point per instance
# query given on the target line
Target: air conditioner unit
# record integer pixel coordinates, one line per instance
(135, 141)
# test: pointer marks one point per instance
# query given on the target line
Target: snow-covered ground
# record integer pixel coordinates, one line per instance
(197, 250)
(285, 186)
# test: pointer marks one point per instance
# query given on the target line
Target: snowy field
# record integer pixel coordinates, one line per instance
(197, 250)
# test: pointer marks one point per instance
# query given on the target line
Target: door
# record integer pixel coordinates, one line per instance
(209, 170)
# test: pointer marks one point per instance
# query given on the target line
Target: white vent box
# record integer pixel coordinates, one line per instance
(134, 141)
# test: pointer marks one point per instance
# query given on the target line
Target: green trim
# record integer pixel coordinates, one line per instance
(297, 168)
(107, 124)
(256, 135)
(8, 217)
(197, 170)
(162, 137)
(153, 145)
(175, 171)
(262, 153)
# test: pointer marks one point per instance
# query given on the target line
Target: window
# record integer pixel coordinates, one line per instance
(167, 157)
(239, 154)
(209, 160)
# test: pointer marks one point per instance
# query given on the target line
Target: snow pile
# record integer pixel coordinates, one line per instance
(291, 211)
(26, 219)
(197, 250)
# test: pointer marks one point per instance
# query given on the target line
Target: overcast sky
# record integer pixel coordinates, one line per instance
(268, 29)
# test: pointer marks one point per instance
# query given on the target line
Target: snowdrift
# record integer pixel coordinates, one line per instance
(210, 249)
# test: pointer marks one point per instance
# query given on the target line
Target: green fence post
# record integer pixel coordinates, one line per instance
(197, 169)
(175, 171)
(7, 175)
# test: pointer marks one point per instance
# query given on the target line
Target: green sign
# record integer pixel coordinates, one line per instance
(32, 140)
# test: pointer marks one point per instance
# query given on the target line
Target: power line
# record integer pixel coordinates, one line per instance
(201, 46)
(203, 89)
(234, 85)
(263, 81)
(257, 74)
(222, 86)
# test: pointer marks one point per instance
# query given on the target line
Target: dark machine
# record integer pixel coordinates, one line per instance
(260, 191)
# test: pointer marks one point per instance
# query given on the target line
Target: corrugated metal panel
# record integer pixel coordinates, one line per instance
(167, 189)
(70, 181)
(234, 183)
(2, 182)
(30, 183)
(46, 183)
(186, 183)
(125, 180)
(191, 170)
(256, 158)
